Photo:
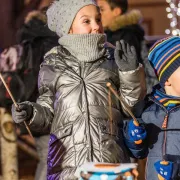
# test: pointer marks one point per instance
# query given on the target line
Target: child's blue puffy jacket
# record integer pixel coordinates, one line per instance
(163, 138)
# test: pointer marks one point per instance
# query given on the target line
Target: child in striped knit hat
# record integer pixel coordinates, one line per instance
(162, 118)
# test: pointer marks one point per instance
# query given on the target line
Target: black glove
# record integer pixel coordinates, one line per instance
(125, 56)
(23, 113)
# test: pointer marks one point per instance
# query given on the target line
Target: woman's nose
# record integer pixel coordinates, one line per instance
(96, 28)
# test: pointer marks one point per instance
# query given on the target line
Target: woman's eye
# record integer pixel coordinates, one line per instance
(86, 21)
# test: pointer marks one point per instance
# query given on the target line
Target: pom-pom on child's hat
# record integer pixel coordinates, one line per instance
(164, 56)
(61, 14)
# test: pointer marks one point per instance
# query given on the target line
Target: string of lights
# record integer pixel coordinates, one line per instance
(173, 13)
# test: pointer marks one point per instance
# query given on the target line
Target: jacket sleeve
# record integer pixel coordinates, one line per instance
(43, 109)
(139, 151)
(132, 85)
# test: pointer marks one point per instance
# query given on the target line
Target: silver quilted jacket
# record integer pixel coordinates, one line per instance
(73, 106)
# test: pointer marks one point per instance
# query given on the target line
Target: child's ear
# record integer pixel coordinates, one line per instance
(167, 83)
(117, 11)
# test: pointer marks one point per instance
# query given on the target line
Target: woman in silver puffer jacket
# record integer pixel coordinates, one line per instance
(73, 103)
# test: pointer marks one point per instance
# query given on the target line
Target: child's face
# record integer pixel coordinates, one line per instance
(172, 85)
(87, 21)
(108, 14)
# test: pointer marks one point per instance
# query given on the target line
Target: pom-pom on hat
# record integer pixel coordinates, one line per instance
(164, 56)
(61, 14)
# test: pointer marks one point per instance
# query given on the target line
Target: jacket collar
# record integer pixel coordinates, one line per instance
(129, 18)
(159, 97)
(85, 47)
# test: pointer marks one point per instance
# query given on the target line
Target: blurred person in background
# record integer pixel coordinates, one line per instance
(20, 65)
(12, 14)
(119, 23)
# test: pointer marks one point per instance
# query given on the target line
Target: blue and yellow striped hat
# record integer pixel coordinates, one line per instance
(164, 56)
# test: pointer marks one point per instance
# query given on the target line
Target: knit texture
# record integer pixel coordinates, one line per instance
(164, 56)
(166, 100)
(61, 14)
(85, 47)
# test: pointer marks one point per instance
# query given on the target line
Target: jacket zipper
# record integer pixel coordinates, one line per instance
(164, 125)
(89, 146)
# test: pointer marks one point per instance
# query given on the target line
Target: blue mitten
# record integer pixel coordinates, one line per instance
(164, 169)
(136, 132)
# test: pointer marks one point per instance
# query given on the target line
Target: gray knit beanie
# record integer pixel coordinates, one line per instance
(61, 14)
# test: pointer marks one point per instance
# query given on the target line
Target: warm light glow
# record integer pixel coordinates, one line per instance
(167, 31)
(174, 16)
(168, 9)
(174, 32)
(169, 15)
(178, 10)
(172, 5)
(173, 24)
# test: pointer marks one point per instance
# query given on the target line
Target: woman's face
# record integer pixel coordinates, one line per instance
(87, 21)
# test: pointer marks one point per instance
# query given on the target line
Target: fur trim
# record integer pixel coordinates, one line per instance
(35, 14)
(129, 18)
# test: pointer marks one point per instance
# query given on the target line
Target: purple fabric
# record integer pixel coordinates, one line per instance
(54, 156)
